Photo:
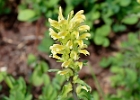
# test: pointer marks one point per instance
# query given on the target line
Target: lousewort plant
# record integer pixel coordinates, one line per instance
(69, 34)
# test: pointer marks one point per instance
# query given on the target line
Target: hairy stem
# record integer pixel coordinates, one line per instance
(73, 89)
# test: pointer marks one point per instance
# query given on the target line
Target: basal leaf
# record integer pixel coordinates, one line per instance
(26, 15)
(106, 42)
(130, 20)
(98, 40)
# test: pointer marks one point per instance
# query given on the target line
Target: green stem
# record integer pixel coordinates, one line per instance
(73, 89)
(97, 84)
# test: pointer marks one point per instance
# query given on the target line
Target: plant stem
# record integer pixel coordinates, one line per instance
(99, 89)
(73, 89)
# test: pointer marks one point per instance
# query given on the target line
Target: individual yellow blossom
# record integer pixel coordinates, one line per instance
(66, 63)
(74, 55)
(79, 17)
(53, 34)
(85, 36)
(60, 16)
(56, 57)
(85, 52)
(64, 72)
(84, 28)
(62, 34)
(54, 23)
(69, 44)
(56, 48)
(80, 43)
(79, 64)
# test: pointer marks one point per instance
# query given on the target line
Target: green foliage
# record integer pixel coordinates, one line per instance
(100, 37)
(51, 90)
(37, 9)
(31, 59)
(39, 75)
(130, 20)
(126, 68)
(26, 15)
(45, 44)
(2, 76)
(104, 17)
(3, 8)
(65, 91)
(18, 89)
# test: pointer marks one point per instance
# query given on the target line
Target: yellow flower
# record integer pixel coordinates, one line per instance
(84, 28)
(56, 57)
(69, 44)
(53, 34)
(60, 15)
(62, 34)
(54, 23)
(70, 15)
(76, 34)
(79, 17)
(66, 63)
(75, 22)
(84, 36)
(80, 43)
(74, 55)
(80, 64)
(85, 52)
(56, 48)
(70, 34)
(63, 72)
